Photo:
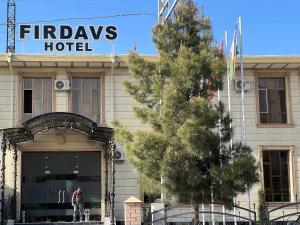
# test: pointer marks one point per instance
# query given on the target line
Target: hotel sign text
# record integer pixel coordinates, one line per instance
(66, 38)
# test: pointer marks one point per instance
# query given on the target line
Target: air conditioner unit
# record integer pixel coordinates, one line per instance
(238, 85)
(119, 154)
(62, 85)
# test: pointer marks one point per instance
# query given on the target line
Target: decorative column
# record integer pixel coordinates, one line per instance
(2, 187)
(14, 197)
(112, 197)
(107, 197)
(133, 211)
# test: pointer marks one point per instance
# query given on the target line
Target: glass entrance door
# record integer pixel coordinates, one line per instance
(49, 179)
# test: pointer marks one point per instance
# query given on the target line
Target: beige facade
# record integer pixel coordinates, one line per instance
(116, 104)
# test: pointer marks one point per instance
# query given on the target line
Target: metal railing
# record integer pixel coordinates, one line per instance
(183, 214)
(288, 212)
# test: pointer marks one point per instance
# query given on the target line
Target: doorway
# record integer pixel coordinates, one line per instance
(49, 179)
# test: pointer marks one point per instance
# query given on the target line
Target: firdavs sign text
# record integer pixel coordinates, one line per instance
(64, 38)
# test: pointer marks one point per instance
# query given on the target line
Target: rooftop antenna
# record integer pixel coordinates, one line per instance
(165, 8)
(11, 27)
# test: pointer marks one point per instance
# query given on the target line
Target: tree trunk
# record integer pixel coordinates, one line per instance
(195, 220)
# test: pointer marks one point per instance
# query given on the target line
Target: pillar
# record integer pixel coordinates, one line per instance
(133, 211)
(2, 186)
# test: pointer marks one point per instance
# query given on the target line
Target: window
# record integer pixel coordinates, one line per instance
(276, 175)
(272, 100)
(86, 97)
(37, 97)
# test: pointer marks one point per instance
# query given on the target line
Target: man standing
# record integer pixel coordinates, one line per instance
(77, 203)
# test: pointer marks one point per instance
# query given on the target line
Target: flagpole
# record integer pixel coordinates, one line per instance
(229, 102)
(243, 99)
(244, 137)
(219, 99)
(228, 81)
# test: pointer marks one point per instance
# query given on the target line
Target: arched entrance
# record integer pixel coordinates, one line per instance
(49, 178)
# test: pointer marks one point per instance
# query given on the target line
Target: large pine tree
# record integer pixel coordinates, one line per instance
(188, 143)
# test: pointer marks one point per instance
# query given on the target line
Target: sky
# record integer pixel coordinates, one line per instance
(270, 27)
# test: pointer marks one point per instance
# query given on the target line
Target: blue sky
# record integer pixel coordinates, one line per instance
(269, 27)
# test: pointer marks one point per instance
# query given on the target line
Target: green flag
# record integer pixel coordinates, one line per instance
(232, 57)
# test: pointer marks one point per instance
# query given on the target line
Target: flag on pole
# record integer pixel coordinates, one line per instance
(232, 57)
(222, 47)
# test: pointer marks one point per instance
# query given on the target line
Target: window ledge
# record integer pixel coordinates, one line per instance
(274, 125)
(277, 204)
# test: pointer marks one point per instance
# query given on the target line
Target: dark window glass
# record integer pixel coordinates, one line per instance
(27, 101)
(272, 100)
(37, 97)
(263, 106)
(276, 176)
(262, 83)
(266, 156)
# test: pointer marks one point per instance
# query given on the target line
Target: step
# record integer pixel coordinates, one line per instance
(63, 223)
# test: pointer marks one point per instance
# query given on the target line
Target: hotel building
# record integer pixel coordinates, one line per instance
(56, 116)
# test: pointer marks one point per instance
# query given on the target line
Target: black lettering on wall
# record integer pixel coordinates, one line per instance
(69, 45)
(87, 48)
(49, 31)
(111, 32)
(60, 46)
(96, 34)
(36, 32)
(66, 32)
(81, 33)
(48, 46)
(79, 47)
(24, 29)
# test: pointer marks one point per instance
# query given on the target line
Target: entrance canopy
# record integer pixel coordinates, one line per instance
(43, 123)
(58, 121)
